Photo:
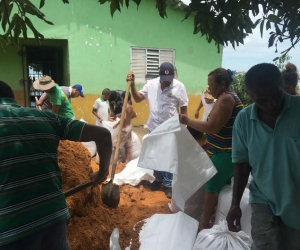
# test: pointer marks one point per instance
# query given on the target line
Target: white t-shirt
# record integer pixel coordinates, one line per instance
(163, 104)
(102, 109)
(206, 106)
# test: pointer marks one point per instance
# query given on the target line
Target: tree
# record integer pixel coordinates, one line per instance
(222, 21)
(238, 86)
(282, 61)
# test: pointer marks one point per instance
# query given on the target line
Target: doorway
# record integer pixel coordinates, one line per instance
(43, 60)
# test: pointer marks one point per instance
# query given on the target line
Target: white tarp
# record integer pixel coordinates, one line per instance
(133, 175)
(169, 232)
(170, 147)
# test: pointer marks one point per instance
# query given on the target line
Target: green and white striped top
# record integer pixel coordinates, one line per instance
(31, 196)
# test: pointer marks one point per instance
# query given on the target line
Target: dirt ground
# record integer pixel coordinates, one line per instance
(92, 222)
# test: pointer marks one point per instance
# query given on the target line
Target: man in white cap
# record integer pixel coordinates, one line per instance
(70, 92)
(60, 102)
(165, 96)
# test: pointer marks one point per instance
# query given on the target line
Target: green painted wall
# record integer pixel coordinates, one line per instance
(99, 45)
(97, 49)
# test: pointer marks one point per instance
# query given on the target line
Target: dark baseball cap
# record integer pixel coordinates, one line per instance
(166, 72)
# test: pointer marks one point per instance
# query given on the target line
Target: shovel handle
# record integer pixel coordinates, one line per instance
(36, 99)
(78, 188)
(120, 131)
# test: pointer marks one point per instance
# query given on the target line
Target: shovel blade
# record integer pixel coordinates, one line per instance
(110, 194)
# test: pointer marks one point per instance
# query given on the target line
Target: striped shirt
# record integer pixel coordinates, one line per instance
(222, 141)
(31, 196)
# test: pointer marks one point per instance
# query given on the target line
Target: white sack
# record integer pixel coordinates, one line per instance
(224, 203)
(169, 232)
(114, 240)
(91, 147)
(220, 238)
(133, 175)
(109, 125)
(135, 148)
(171, 147)
(193, 206)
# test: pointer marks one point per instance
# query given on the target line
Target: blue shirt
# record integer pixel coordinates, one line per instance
(274, 155)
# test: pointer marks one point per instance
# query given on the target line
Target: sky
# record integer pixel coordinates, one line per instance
(255, 50)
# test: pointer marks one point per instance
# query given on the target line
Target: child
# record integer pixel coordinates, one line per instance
(101, 108)
(127, 128)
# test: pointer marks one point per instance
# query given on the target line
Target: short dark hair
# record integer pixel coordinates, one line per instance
(221, 74)
(263, 74)
(113, 95)
(290, 74)
(6, 91)
(106, 91)
(129, 96)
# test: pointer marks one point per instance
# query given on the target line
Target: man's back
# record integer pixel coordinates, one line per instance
(31, 194)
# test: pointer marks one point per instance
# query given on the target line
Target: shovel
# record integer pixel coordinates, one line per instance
(110, 193)
(36, 99)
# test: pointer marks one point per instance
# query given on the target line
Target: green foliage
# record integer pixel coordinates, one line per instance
(239, 87)
(282, 61)
(223, 21)
(14, 20)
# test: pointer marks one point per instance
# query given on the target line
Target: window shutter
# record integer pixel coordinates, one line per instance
(166, 56)
(138, 64)
(152, 63)
(145, 62)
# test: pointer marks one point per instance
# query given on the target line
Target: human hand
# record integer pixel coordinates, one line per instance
(234, 215)
(183, 119)
(197, 114)
(38, 103)
(130, 78)
(98, 177)
(100, 119)
(115, 126)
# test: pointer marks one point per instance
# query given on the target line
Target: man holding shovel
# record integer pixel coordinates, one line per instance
(165, 96)
(60, 102)
(33, 209)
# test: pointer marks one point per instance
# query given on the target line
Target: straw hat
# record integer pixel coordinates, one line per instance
(208, 95)
(44, 83)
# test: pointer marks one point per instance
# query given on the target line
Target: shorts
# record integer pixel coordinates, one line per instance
(225, 167)
(125, 137)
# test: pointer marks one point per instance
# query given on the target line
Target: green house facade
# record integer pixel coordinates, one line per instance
(89, 47)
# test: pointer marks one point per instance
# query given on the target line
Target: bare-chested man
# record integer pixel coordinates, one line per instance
(127, 128)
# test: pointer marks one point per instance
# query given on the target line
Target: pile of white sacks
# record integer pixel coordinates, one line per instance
(170, 147)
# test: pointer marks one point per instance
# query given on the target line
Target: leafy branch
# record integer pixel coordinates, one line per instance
(223, 22)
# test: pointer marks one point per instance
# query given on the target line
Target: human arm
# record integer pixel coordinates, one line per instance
(218, 117)
(133, 114)
(102, 138)
(183, 110)
(55, 109)
(42, 99)
(95, 114)
(112, 109)
(241, 175)
(137, 96)
(198, 109)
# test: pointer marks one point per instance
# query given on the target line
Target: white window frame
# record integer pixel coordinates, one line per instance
(143, 66)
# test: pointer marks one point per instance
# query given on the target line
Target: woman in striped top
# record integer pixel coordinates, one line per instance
(218, 129)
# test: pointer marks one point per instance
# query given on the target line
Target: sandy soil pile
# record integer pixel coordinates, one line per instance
(92, 222)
